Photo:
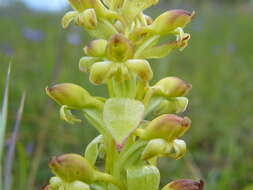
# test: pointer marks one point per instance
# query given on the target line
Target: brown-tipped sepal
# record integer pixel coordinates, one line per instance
(171, 20)
(87, 19)
(167, 126)
(71, 95)
(141, 68)
(184, 184)
(171, 87)
(72, 167)
(96, 48)
(119, 48)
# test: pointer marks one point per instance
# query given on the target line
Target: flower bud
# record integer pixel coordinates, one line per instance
(96, 48)
(170, 20)
(141, 68)
(85, 63)
(87, 19)
(172, 105)
(171, 87)
(72, 167)
(156, 147)
(71, 95)
(119, 48)
(68, 18)
(184, 184)
(101, 71)
(167, 126)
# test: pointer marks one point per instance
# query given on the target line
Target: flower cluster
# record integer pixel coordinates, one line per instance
(129, 144)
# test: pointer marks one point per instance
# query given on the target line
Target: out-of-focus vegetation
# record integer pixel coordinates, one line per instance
(218, 62)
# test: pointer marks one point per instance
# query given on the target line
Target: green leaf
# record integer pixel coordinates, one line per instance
(143, 177)
(122, 116)
(93, 149)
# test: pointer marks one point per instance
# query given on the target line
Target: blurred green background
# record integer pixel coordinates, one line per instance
(218, 63)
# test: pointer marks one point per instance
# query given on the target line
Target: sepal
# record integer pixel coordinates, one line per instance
(96, 48)
(169, 21)
(141, 68)
(87, 19)
(171, 87)
(167, 126)
(72, 96)
(72, 167)
(85, 63)
(100, 72)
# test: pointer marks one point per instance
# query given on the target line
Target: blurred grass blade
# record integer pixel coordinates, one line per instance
(11, 151)
(3, 120)
(22, 166)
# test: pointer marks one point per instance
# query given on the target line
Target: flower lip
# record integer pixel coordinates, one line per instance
(186, 184)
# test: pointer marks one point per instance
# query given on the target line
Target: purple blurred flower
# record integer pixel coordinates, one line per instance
(74, 39)
(231, 47)
(32, 34)
(7, 49)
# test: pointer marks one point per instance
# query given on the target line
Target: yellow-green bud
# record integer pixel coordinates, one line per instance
(87, 19)
(68, 18)
(141, 68)
(85, 63)
(96, 48)
(101, 71)
(72, 167)
(171, 20)
(71, 95)
(184, 184)
(119, 48)
(167, 126)
(171, 87)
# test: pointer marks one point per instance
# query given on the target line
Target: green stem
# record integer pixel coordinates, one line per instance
(151, 41)
(126, 155)
(110, 179)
